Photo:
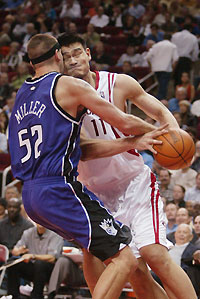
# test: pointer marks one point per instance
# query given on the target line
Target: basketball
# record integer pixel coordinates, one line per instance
(176, 151)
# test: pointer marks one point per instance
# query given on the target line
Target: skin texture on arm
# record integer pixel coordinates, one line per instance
(128, 88)
(81, 94)
(97, 148)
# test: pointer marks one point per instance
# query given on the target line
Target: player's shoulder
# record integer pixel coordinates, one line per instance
(122, 79)
(70, 83)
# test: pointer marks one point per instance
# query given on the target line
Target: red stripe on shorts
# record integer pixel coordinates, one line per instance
(154, 205)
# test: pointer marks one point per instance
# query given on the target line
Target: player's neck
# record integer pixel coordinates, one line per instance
(41, 71)
(90, 78)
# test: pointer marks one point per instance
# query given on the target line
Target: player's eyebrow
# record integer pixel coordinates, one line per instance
(74, 50)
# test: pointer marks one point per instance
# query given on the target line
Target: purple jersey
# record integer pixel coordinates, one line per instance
(43, 138)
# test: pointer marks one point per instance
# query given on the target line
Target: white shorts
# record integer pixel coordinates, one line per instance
(141, 208)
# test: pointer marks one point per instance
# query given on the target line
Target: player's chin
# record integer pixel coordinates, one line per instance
(76, 74)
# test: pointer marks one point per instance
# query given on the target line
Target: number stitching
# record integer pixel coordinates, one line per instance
(26, 142)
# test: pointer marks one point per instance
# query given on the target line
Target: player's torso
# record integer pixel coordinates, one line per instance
(43, 139)
(98, 173)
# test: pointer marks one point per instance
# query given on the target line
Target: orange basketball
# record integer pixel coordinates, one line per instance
(176, 151)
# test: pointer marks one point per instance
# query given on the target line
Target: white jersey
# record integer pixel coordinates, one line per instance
(99, 173)
(123, 182)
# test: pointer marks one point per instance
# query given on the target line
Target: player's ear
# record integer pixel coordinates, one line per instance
(57, 55)
(88, 53)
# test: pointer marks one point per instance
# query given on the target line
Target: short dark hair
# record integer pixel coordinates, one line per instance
(67, 39)
(3, 202)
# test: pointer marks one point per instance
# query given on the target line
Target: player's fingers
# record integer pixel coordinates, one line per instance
(150, 147)
(158, 133)
(157, 141)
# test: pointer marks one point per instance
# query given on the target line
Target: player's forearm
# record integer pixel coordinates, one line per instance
(94, 149)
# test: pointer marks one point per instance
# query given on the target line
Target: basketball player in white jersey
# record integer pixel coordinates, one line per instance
(125, 185)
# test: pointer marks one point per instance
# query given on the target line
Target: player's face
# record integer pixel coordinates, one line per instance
(76, 60)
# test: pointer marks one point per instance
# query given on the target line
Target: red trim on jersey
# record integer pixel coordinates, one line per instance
(97, 80)
(109, 87)
(113, 78)
(132, 151)
(155, 208)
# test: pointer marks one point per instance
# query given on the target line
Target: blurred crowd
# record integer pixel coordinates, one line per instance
(134, 37)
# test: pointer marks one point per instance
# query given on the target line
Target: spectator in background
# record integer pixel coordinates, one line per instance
(4, 122)
(11, 192)
(183, 251)
(100, 19)
(5, 38)
(180, 95)
(136, 9)
(165, 185)
(5, 88)
(188, 50)
(20, 28)
(50, 10)
(156, 35)
(160, 17)
(162, 57)
(130, 55)
(178, 196)
(91, 37)
(145, 62)
(30, 31)
(3, 209)
(188, 119)
(100, 60)
(128, 23)
(116, 17)
(177, 115)
(193, 193)
(169, 26)
(12, 227)
(65, 271)
(72, 28)
(136, 37)
(128, 69)
(185, 177)
(71, 9)
(3, 142)
(40, 247)
(92, 11)
(185, 82)
(14, 57)
(10, 101)
(22, 75)
(196, 226)
(182, 216)
(196, 163)
(32, 8)
(171, 210)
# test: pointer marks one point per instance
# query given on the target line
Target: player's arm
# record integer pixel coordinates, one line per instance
(98, 148)
(72, 94)
(128, 88)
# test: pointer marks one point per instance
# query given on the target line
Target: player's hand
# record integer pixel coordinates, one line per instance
(148, 140)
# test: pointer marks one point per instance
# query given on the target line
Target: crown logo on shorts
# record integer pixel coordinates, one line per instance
(107, 225)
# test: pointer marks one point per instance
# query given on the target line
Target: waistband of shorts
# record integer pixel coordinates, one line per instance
(47, 180)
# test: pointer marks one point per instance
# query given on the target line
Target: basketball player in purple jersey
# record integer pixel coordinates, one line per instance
(125, 185)
(44, 142)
